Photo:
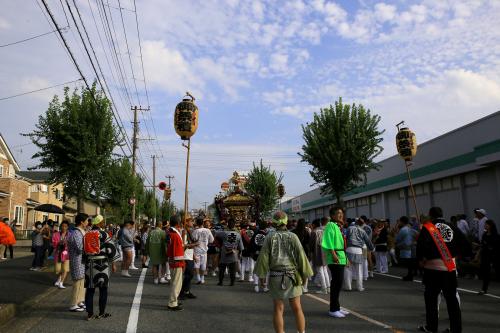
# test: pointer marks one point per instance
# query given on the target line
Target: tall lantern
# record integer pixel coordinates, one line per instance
(406, 143)
(186, 117)
(281, 192)
(186, 124)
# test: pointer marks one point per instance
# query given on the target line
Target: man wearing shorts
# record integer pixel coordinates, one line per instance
(203, 237)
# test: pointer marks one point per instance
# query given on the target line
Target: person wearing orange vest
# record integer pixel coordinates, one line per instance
(175, 254)
(438, 244)
(7, 237)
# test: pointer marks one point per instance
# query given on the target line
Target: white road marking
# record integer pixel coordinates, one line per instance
(419, 281)
(133, 318)
(356, 314)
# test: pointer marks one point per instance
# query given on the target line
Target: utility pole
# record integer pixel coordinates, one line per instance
(135, 146)
(154, 188)
(205, 203)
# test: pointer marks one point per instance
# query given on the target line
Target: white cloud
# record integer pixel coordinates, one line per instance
(279, 62)
(170, 70)
(4, 24)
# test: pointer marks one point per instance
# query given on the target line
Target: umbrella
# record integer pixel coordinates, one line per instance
(49, 208)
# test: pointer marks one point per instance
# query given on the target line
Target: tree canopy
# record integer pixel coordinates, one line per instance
(76, 138)
(262, 184)
(340, 145)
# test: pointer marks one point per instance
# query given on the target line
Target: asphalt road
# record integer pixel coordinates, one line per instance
(387, 305)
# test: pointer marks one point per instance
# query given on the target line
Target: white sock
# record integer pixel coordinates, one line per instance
(203, 278)
(198, 277)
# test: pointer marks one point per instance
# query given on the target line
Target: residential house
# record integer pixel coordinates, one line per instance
(42, 192)
(14, 190)
(90, 207)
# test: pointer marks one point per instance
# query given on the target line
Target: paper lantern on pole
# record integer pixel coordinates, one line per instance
(186, 117)
(406, 142)
(167, 193)
(281, 190)
(224, 186)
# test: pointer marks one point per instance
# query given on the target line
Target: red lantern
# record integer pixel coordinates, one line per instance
(162, 186)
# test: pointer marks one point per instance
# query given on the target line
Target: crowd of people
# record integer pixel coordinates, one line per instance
(282, 257)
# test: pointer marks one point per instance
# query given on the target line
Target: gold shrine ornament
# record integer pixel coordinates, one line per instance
(224, 186)
(406, 143)
(186, 117)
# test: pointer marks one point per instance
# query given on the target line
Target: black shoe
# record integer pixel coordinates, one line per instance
(482, 292)
(232, 283)
(145, 266)
(175, 308)
(219, 284)
(189, 295)
(182, 297)
(423, 328)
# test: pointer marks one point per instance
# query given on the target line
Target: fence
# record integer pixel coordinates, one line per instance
(23, 234)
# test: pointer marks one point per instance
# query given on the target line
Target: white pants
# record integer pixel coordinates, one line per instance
(354, 270)
(381, 258)
(365, 268)
(200, 262)
(256, 280)
(247, 265)
(323, 277)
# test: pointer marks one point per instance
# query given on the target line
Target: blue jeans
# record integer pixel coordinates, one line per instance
(38, 258)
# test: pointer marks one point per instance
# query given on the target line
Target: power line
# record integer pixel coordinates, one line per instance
(37, 90)
(31, 38)
(128, 52)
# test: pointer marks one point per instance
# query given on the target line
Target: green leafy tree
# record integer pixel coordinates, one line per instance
(167, 209)
(341, 144)
(119, 188)
(76, 138)
(262, 184)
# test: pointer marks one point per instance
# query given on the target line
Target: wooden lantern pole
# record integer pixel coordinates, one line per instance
(188, 147)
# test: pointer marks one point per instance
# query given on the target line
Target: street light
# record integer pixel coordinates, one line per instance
(186, 124)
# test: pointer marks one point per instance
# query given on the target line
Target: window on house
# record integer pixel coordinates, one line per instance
(19, 214)
(12, 172)
(350, 204)
(471, 179)
(456, 182)
(373, 199)
(43, 188)
(362, 202)
(1, 171)
(437, 186)
(57, 193)
(446, 184)
(58, 217)
(45, 217)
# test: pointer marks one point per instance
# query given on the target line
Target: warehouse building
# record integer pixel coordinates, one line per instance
(458, 171)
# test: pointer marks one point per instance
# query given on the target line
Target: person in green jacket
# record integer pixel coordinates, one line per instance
(333, 245)
(156, 247)
(283, 257)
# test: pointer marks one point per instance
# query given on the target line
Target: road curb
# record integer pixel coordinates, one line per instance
(10, 311)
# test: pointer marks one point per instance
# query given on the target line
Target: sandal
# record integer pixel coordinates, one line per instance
(92, 317)
(105, 315)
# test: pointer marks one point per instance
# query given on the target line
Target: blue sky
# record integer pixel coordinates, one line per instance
(259, 69)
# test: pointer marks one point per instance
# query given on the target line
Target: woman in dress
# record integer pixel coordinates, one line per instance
(61, 254)
(284, 258)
